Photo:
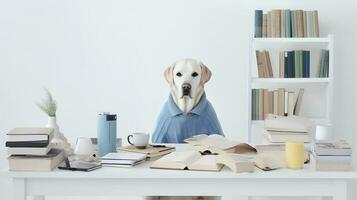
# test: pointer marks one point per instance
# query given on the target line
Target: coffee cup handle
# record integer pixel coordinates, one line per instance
(128, 138)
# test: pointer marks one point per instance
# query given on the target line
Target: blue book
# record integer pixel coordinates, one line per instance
(291, 64)
(286, 64)
(258, 23)
(306, 64)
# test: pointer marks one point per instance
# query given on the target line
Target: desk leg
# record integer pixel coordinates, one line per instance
(340, 190)
(19, 189)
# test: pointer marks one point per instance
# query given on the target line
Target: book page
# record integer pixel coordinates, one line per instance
(214, 140)
(207, 162)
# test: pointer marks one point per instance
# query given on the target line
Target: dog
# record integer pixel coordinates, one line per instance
(187, 112)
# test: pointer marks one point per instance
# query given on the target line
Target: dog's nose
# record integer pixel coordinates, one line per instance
(186, 86)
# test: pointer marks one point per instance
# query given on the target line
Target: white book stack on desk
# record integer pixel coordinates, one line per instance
(333, 155)
(122, 159)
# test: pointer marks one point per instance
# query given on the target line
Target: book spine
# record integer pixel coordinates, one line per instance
(253, 104)
(316, 24)
(258, 23)
(296, 64)
(265, 22)
(288, 23)
(282, 23)
(281, 64)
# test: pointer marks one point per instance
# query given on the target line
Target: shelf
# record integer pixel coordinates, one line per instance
(290, 80)
(292, 40)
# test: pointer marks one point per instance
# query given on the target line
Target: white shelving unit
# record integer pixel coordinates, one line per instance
(318, 91)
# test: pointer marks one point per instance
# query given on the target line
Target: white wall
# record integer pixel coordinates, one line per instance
(110, 56)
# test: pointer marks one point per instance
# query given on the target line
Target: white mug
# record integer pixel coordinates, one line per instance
(139, 140)
(85, 149)
(323, 133)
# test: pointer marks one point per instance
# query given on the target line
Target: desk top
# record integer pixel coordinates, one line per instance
(143, 171)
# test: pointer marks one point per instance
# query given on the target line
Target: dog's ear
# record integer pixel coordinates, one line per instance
(168, 74)
(206, 74)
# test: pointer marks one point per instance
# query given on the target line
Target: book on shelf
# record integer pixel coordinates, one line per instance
(45, 162)
(151, 152)
(187, 160)
(217, 144)
(323, 64)
(278, 102)
(286, 23)
(123, 159)
(294, 64)
(264, 64)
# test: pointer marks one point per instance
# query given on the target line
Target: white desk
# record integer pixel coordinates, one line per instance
(143, 181)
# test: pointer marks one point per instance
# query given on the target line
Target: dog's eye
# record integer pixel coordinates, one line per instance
(194, 74)
(178, 74)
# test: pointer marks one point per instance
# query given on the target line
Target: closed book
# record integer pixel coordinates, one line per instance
(309, 25)
(291, 64)
(41, 151)
(281, 64)
(258, 23)
(286, 101)
(282, 23)
(271, 101)
(298, 101)
(150, 151)
(277, 22)
(293, 23)
(276, 102)
(300, 64)
(269, 67)
(322, 166)
(257, 104)
(23, 134)
(266, 103)
(287, 124)
(36, 163)
(265, 26)
(286, 65)
(281, 138)
(291, 103)
(269, 24)
(288, 23)
(253, 104)
(332, 148)
(306, 64)
(261, 104)
(297, 64)
(39, 143)
(304, 19)
(300, 23)
(260, 64)
(316, 24)
(332, 159)
(281, 101)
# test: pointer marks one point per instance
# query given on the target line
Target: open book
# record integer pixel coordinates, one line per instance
(189, 160)
(218, 144)
(236, 162)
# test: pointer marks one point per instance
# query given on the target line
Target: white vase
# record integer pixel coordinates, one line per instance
(58, 141)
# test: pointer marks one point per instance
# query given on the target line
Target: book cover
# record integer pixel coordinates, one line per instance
(268, 65)
(258, 23)
(260, 64)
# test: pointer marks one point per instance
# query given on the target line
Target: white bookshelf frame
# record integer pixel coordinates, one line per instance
(284, 82)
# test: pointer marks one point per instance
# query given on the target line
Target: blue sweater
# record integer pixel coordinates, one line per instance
(174, 126)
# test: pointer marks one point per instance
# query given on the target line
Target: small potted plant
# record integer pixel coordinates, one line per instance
(49, 107)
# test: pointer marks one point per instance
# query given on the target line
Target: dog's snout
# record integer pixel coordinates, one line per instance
(186, 86)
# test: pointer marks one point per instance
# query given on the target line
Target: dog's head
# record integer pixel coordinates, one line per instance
(187, 78)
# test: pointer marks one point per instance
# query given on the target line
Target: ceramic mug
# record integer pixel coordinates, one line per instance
(294, 155)
(139, 140)
(84, 149)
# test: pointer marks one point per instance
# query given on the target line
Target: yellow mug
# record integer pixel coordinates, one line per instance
(294, 155)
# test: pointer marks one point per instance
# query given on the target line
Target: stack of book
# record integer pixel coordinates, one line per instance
(333, 155)
(29, 149)
(125, 159)
(264, 64)
(152, 152)
(286, 23)
(283, 129)
(324, 63)
(278, 102)
(294, 64)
